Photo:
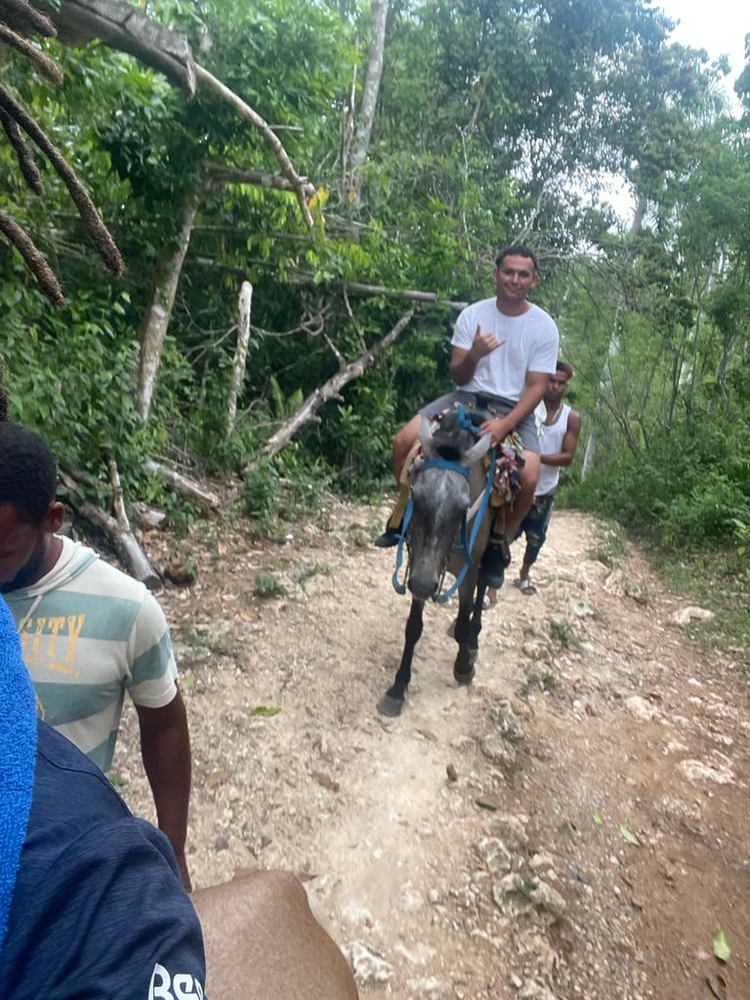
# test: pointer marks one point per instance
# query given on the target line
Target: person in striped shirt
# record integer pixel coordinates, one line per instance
(89, 633)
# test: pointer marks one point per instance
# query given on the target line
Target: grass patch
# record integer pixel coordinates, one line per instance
(720, 581)
(527, 886)
(545, 683)
(266, 586)
(610, 544)
(308, 570)
(563, 632)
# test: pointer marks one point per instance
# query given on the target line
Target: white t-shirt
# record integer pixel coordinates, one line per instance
(532, 341)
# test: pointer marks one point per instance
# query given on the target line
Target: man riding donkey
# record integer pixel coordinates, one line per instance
(504, 349)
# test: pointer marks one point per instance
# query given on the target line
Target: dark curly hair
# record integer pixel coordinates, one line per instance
(28, 472)
(517, 250)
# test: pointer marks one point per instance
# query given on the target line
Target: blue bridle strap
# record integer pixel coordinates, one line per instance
(399, 587)
(468, 549)
(446, 463)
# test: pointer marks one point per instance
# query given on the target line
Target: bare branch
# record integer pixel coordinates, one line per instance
(25, 157)
(93, 224)
(243, 109)
(219, 173)
(21, 16)
(46, 66)
(34, 258)
(331, 389)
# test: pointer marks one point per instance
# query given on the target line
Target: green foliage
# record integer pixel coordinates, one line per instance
(308, 570)
(710, 513)
(563, 633)
(267, 586)
(493, 119)
(288, 488)
(261, 490)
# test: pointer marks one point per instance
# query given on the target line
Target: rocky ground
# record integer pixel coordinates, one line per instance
(574, 825)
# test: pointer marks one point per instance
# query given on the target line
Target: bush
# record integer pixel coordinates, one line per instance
(709, 513)
(684, 491)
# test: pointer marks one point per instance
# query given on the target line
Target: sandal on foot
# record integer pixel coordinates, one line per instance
(526, 587)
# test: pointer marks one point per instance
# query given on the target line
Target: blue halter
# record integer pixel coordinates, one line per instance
(466, 545)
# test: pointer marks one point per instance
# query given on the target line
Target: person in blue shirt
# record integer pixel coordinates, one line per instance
(92, 904)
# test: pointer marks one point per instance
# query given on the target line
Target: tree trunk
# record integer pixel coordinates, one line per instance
(307, 410)
(369, 96)
(240, 354)
(156, 320)
(588, 456)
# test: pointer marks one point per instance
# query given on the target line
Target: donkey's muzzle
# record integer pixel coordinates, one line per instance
(423, 585)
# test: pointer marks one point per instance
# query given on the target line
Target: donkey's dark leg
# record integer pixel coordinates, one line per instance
(468, 627)
(393, 700)
(475, 626)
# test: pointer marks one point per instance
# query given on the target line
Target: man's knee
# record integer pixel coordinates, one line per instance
(530, 470)
(404, 441)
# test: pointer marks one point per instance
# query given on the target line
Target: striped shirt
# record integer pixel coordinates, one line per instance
(88, 634)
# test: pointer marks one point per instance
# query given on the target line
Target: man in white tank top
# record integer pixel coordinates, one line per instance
(558, 439)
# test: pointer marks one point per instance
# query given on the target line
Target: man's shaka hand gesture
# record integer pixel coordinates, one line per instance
(484, 344)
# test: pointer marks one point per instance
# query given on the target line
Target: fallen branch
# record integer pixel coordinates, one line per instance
(183, 485)
(219, 173)
(123, 26)
(121, 538)
(330, 390)
(298, 183)
(355, 287)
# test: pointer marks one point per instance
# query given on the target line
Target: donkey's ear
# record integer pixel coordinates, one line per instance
(426, 437)
(477, 451)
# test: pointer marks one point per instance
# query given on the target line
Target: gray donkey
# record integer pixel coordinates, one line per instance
(446, 489)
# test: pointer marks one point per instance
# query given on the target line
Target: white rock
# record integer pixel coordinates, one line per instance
(504, 887)
(429, 987)
(510, 829)
(641, 709)
(498, 750)
(698, 770)
(541, 862)
(369, 966)
(691, 614)
(532, 990)
(411, 899)
(417, 954)
(548, 900)
(494, 854)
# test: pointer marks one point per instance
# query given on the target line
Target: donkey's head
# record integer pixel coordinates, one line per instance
(441, 495)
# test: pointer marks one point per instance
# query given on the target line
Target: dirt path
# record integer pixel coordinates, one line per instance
(593, 721)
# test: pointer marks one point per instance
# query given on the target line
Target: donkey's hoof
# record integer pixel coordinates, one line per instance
(466, 678)
(391, 707)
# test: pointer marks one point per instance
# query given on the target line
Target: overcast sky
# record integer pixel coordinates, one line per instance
(718, 26)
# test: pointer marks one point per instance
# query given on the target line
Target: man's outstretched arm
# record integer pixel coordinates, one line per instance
(165, 748)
